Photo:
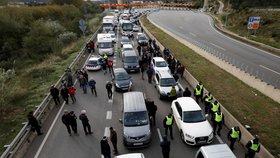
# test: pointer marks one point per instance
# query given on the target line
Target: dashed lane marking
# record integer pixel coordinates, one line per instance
(218, 46)
(270, 69)
(159, 135)
(109, 115)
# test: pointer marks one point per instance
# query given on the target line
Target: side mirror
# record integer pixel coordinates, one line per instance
(120, 120)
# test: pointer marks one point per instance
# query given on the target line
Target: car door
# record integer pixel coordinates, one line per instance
(178, 114)
(157, 82)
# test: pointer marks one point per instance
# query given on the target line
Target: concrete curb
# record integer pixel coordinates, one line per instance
(230, 121)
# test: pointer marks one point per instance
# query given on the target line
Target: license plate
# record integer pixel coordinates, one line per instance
(132, 70)
(138, 144)
(201, 141)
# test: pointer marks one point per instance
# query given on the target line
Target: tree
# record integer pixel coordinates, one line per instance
(77, 3)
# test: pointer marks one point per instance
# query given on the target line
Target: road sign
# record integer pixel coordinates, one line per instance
(82, 25)
(254, 23)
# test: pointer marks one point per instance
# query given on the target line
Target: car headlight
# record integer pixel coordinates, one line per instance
(189, 136)
(126, 136)
(148, 133)
(125, 66)
(137, 66)
(211, 135)
(162, 92)
(117, 85)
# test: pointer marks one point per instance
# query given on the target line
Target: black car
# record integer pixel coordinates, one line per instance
(122, 81)
(142, 40)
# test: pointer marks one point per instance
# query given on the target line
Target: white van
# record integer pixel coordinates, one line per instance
(136, 125)
(105, 44)
(215, 151)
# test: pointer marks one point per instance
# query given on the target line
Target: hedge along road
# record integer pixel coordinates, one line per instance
(243, 102)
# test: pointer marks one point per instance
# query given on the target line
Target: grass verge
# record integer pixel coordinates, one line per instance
(259, 111)
(32, 85)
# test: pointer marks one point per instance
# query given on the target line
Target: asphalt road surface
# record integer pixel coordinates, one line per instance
(197, 28)
(104, 113)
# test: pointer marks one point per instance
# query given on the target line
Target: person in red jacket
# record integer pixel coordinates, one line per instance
(72, 91)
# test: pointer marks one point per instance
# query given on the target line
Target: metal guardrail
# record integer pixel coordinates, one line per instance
(25, 131)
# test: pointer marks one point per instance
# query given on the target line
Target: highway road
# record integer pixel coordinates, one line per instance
(104, 113)
(197, 28)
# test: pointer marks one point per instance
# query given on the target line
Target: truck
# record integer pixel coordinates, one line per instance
(105, 44)
(108, 23)
(126, 28)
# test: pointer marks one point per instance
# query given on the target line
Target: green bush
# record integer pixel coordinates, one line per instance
(67, 37)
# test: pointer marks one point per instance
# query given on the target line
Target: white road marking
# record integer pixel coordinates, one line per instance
(193, 34)
(270, 69)
(219, 139)
(107, 132)
(209, 20)
(218, 46)
(114, 60)
(159, 135)
(109, 115)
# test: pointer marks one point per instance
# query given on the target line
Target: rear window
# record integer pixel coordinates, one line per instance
(139, 118)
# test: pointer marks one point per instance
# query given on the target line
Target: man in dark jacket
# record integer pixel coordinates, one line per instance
(83, 117)
(114, 139)
(109, 87)
(65, 94)
(34, 123)
(105, 148)
(152, 109)
(253, 147)
(66, 119)
(165, 147)
(187, 92)
(73, 122)
(92, 84)
(55, 94)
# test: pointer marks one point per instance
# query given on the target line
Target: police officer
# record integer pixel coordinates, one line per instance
(167, 123)
(207, 102)
(218, 120)
(197, 93)
(173, 93)
(234, 134)
(214, 108)
(253, 147)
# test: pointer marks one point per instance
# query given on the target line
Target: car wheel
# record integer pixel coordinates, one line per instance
(182, 136)
(160, 96)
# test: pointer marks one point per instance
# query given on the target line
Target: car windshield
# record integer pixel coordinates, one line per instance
(167, 82)
(105, 45)
(107, 25)
(92, 62)
(121, 76)
(139, 118)
(126, 49)
(193, 116)
(127, 27)
(142, 38)
(131, 59)
(161, 64)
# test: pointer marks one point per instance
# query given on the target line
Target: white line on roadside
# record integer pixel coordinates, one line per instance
(270, 69)
(193, 34)
(107, 132)
(159, 135)
(109, 115)
(219, 139)
(218, 46)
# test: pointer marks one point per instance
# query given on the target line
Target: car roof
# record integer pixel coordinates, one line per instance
(158, 59)
(94, 57)
(218, 151)
(187, 104)
(127, 46)
(134, 101)
(130, 53)
(133, 155)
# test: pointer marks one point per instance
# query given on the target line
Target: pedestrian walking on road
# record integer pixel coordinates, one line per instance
(72, 91)
(92, 84)
(65, 94)
(55, 94)
(233, 135)
(109, 87)
(207, 102)
(34, 123)
(104, 67)
(114, 139)
(152, 112)
(85, 122)
(198, 93)
(83, 83)
(73, 122)
(253, 147)
(105, 148)
(173, 93)
(187, 92)
(214, 108)
(218, 120)
(110, 66)
(139, 50)
(165, 147)
(167, 124)
(200, 84)
(66, 120)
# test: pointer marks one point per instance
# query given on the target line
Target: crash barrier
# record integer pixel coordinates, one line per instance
(230, 120)
(25, 136)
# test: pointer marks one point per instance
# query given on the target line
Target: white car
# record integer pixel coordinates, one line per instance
(126, 47)
(113, 36)
(191, 122)
(124, 40)
(133, 155)
(160, 64)
(94, 63)
(135, 28)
